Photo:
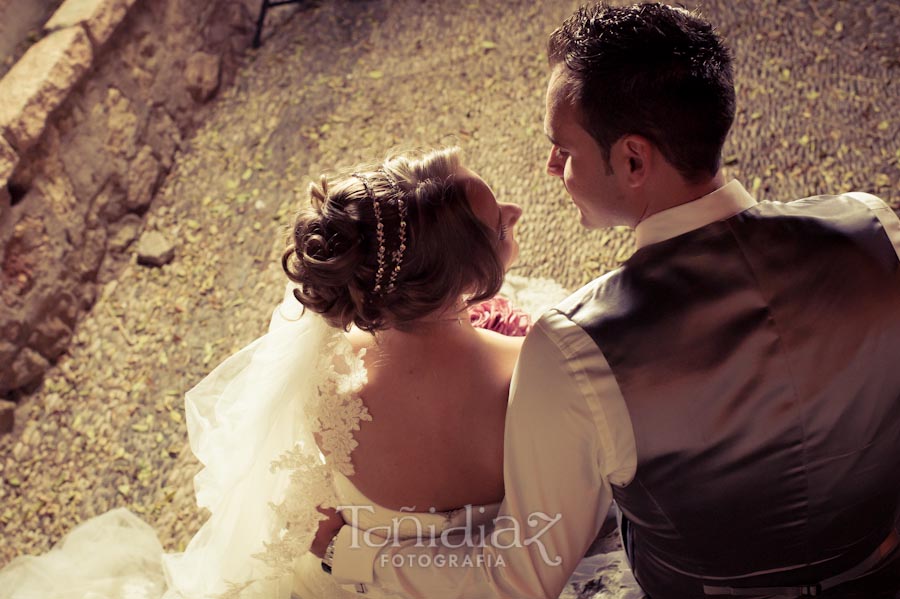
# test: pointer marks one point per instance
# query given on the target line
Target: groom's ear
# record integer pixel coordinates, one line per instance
(637, 153)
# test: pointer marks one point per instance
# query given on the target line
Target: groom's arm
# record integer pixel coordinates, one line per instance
(887, 217)
(567, 433)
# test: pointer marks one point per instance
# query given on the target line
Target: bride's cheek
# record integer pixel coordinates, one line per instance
(513, 253)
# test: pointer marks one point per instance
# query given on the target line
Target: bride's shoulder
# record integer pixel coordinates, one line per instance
(505, 346)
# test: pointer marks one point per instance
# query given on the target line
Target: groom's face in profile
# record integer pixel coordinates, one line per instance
(577, 159)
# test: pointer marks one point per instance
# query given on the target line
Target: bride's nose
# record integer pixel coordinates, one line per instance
(514, 212)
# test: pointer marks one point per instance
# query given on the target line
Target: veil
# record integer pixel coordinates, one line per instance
(261, 423)
(254, 422)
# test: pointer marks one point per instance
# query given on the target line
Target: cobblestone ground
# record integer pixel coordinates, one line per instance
(818, 106)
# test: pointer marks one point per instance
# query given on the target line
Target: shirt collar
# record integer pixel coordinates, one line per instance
(723, 203)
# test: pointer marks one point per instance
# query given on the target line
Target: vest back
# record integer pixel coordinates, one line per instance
(759, 358)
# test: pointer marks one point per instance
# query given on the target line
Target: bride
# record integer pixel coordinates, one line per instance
(398, 254)
(371, 389)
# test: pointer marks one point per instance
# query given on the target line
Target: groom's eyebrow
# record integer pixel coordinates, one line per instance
(550, 137)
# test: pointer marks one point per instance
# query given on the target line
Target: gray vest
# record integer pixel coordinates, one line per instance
(759, 358)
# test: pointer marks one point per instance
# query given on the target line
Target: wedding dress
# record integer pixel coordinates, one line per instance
(262, 424)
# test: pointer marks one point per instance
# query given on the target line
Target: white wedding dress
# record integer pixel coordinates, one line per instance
(254, 423)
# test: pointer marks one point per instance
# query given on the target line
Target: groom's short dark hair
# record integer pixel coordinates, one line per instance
(652, 70)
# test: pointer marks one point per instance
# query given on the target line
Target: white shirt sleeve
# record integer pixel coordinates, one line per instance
(884, 214)
(568, 436)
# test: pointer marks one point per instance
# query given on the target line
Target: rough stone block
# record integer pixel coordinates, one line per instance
(122, 130)
(7, 416)
(202, 73)
(163, 136)
(8, 352)
(129, 229)
(27, 368)
(8, 161)
(100, 17)
(51, 337)
(11, 331)
(110, 202)
(40, 82)
(92, 253)
(143, 176)
(154, 249)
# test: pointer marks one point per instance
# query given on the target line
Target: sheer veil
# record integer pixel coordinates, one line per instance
(253, 424)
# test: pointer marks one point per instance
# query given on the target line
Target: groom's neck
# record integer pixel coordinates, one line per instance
(671, 189)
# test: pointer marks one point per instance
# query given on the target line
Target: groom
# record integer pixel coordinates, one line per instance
(735, 386)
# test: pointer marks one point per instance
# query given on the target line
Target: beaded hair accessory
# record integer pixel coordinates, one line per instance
(380, 287)
(397, 254)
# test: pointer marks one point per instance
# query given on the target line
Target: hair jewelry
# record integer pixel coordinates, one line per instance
(397, 255)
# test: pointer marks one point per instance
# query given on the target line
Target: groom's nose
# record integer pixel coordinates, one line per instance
(555, 163)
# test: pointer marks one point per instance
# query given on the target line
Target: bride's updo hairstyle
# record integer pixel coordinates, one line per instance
(443, 250)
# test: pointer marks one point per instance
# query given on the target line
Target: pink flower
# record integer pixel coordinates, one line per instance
(498, 314)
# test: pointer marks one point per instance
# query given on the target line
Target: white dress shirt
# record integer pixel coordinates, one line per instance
(568, 438)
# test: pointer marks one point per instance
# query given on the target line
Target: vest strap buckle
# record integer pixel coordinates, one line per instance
(811, 590)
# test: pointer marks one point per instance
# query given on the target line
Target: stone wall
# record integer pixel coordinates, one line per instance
(91, 119)
(19, 22)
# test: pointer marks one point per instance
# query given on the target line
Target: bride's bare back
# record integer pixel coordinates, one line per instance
(438, 400)
(394, 249)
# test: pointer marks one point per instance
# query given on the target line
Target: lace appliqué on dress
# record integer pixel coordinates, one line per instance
(332, 415)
